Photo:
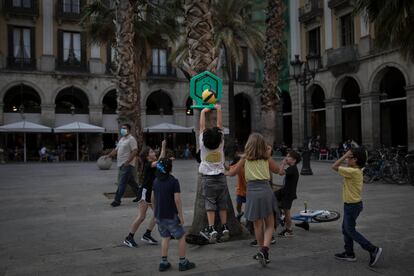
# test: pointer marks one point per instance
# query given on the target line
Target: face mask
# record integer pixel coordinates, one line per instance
(124, 132)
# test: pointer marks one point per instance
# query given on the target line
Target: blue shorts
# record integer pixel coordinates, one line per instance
(170, 227)
(240, 199)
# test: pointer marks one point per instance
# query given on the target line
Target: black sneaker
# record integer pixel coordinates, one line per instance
(164, 266)
(262, 257)
(186, 265)
(303, 224)
(115, 204)
(149, 239)
(253, 243)
(129, 241)
(273, 240)
(286, 233)
(136, 199)
(210, 234)
(225, 233)
(374, 256)
(349, 257)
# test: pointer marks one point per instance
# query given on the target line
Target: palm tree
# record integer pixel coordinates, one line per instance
(393, 23)
(274, 49)
(233, 29)
(202, 56)
(132, 27)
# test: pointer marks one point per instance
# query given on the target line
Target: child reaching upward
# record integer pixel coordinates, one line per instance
(213, 182)
(149, 160)
(261, 203)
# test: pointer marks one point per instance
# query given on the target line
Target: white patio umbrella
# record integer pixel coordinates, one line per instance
(168, 128)
(24, 126)
(79, 127)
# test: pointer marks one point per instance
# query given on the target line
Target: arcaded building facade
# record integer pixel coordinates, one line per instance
(360, 92)
(52, 75)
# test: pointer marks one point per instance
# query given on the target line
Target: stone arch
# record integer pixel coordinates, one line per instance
(39, 91)
(72, 95)
(243, 116)
(22, 94)
(317, 96)
(171, 95)
(109, 102)
(379, 73)
(105, 91)
(340, 82)
(76, 86)
(158, 100)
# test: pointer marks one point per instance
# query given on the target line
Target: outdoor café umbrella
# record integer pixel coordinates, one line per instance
(24, 126)
(168, 128)
(79, 127)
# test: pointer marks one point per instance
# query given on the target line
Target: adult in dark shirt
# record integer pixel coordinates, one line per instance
(287, 193)
(168, 211)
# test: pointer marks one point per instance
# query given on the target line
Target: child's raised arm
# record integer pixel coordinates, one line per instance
(274, 168)
(338, 162)
(219, 116)
(163, 147)
(236, 168)
(203, 119)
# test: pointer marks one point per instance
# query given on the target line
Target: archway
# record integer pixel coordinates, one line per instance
(393, 108)
(287, 118)
(242, 117)
(109, 102)
(351, 111)
(22, 97)
(318, 115)
(71, 100)
(159, 103)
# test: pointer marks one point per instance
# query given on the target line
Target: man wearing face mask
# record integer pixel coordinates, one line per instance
(126, 150)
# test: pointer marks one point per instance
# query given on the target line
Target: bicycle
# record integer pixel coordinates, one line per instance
(312, 216)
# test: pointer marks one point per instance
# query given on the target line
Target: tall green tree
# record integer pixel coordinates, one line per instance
(202, 56)
(393, 23)
(234, 30)
(132, 27)
(273, 53)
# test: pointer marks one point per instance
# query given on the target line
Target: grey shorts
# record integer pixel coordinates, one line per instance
(215, 192)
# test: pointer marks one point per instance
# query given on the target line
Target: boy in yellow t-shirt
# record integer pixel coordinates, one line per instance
(351, 195)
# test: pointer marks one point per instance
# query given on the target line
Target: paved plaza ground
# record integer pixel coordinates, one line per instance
(55, 220)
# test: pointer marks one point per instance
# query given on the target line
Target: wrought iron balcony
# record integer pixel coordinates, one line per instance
(162, 71)
(71, 67)
(27, 9)
(21, 63)
(343, 60)
(339, 4)
(247, 77)
(311, 10)
(69, 12)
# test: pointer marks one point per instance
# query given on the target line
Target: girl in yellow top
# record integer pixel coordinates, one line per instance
(261, 203)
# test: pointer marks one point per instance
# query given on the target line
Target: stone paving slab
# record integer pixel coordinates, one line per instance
(55, 220)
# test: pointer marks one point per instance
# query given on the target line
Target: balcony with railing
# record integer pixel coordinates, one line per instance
(66, 66)
(21, 8)
(69, 11)
(17, 63)
(343, 60)
(340, 4)
(311, 10)
(246, 77)
(162, 71)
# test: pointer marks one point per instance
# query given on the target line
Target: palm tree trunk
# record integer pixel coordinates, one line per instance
(127, 75)
(273, 53)
(202, 56)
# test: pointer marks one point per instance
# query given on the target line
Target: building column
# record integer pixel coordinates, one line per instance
(48, 115)
(47, 60)
(294, 28)
(279, 125)
(410, 116)
(297, 135)
(1, 114)
(370, 119)
(95, 114)
(333, 122)
(95, 62)
(327, 17)
(179, 115)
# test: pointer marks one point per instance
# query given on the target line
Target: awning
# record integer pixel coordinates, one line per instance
(79, 127)
(24, 126)
(168, 128)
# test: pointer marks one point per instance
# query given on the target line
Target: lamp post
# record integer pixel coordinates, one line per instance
(303, 75)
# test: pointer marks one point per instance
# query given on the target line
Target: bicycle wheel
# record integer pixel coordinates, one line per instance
(327, 216)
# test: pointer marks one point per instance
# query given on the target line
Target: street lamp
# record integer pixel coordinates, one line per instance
(303, 76)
